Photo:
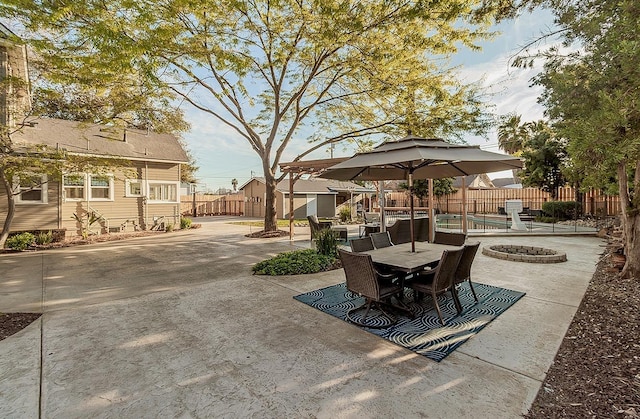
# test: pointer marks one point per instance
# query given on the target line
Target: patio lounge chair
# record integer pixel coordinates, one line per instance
(453, 239)
(438, 280)
(381, 240)
(361, 245)
(400, 231)
(463, 272)
(315, 225)
(376, 288)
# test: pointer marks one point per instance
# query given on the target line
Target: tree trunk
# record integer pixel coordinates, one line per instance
(631, 267)
(270, 222)
(11, 208)
(630, 208)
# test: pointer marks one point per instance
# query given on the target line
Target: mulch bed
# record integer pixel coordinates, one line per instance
(11, 323)
(596, 372)
(267, 234)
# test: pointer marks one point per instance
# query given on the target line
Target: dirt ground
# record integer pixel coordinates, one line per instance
(596, 372)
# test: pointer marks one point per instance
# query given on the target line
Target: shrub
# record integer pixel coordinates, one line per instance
(185, 223)
(297, 262)
(169, 228)
(345, 214)
(43, 237)
(20, 241)
(327, 242)
(562, 210)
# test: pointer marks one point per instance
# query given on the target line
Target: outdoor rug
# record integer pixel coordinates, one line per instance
(424, 334)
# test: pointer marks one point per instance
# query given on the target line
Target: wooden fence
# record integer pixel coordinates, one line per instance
(232, 204)
(491, 201)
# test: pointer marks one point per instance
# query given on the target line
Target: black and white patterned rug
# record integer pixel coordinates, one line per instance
(424, 334)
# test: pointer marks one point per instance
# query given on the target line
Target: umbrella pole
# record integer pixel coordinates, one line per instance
(432, 213)
(411, 224)
(464, 204)
(383, 221)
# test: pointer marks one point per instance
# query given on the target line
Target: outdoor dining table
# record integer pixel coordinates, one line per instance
(401, 258)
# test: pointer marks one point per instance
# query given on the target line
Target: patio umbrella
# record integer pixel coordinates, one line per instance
(414, 157)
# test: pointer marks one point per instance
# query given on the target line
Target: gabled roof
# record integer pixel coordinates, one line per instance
(316, 186)
(101, 140)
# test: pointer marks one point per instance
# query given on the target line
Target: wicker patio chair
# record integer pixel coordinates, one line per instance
(438, 280)
(361, 245)
(376, 288)
(315, 225)
(400, 231)
(381, 240)
(463, 272)
(453, 239)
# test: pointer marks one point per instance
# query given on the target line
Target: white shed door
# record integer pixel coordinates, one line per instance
(312, 204)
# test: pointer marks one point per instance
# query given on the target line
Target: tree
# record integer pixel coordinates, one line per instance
(512, 134)
(591, 95)
(271, 70)
(546, 164)
(545, 159)
(234, 184)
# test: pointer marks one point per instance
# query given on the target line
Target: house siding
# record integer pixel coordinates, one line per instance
(254, 193)
(34, 216)
(128, 213)
(124, 213)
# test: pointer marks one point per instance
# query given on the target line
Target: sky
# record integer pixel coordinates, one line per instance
(223, 155)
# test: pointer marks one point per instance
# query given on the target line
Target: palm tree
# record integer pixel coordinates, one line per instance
(512, 137)
(512, 134)
(234, 183)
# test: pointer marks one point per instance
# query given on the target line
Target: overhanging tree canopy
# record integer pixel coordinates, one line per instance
(267, 69)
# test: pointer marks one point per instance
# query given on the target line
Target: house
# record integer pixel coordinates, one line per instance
(310, 196)
(139, 187)
(140, 190)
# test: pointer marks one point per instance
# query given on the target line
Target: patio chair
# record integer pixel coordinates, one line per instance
(400, 231)
(453, 239)
(438, 280)
(463, 272)
(361, 245)
(376, 288)
(381, 240)
(316, 225)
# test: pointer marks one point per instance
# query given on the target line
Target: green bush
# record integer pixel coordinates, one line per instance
(345, 214)
(20, 241)
(562, 210)
(185, 223)
(297, 262)
(44, 237)
(168, 228)
(327, 242)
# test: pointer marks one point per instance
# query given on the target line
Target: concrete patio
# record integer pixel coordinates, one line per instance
(175, 325)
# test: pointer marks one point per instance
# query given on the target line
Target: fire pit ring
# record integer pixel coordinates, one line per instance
(528, 254)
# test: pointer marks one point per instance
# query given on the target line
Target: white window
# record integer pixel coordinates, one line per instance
(101, 188)
(163, 191)
(133, 188)
(73, 186)
(32, 189)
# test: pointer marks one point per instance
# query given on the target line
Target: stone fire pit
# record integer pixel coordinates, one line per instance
(528, 254)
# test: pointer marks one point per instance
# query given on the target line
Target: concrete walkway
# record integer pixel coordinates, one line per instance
(175, 325)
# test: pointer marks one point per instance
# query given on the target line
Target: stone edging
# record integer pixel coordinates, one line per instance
(528, 254)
